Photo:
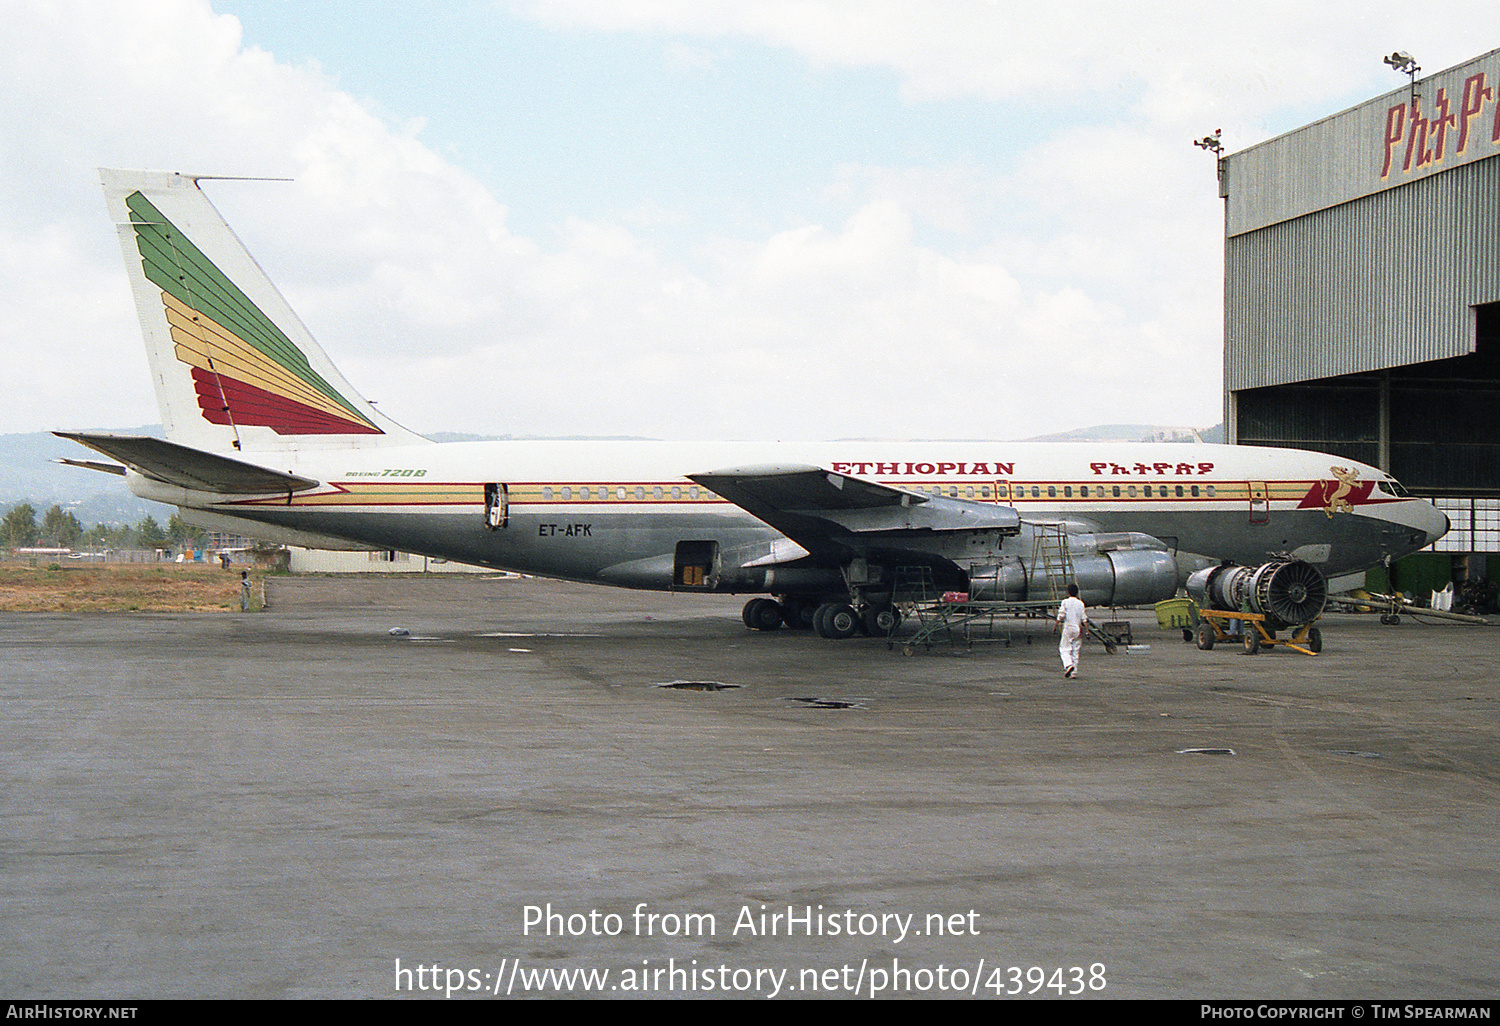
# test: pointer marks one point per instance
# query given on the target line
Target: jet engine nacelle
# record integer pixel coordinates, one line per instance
(1286, 591)
(1107, 574)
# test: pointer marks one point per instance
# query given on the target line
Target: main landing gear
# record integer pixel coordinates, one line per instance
(831, 619)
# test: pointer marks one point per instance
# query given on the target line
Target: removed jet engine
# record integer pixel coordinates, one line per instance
(1285, 591)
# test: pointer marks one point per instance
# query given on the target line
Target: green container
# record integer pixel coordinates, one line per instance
(1176, 614)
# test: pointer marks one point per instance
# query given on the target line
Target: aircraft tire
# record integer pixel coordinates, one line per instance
(747, 615)
(836, 620)
(763, 614)
(819, 627)
(882, 621)
(1205, 635)
(797, 612)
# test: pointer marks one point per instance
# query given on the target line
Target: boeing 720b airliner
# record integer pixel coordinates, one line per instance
(266, 438)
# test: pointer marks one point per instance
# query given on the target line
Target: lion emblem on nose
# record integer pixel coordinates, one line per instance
(1337, 493)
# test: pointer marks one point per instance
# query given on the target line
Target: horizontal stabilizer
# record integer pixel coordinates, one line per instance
(107, 468)
(187, 467)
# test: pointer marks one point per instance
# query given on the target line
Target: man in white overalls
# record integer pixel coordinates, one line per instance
(1073, 619)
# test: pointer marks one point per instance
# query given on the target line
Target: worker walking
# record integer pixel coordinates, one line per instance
(1073, 619)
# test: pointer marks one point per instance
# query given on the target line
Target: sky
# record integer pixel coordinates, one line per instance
(680, 219)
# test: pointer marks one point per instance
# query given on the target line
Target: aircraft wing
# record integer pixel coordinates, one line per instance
(189, 468)
(835, 515)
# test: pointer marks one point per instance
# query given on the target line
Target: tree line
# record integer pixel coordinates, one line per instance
(59, 528)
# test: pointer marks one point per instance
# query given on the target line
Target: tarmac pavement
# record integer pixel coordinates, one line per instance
(297, 803)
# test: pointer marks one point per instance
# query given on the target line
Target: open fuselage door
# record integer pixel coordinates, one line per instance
(496, 506)
(695, 565)
(1260, 503)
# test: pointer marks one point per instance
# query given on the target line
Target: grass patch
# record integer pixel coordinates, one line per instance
(125, 587)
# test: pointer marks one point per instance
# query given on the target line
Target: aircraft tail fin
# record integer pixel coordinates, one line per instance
(234, 367)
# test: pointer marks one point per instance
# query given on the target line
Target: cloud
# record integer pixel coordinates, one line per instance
(1076, 284)
(1170, 61)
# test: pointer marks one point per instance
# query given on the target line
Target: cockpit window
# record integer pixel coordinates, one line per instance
(1395, 487)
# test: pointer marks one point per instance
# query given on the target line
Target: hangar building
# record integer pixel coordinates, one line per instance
(1362, 292)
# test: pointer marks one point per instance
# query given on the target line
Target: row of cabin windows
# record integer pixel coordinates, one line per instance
(659, 492)
(1066, 491)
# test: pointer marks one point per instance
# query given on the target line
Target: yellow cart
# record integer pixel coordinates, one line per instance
(1213, 626)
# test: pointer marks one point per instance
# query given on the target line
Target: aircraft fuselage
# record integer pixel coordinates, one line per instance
(615, 512)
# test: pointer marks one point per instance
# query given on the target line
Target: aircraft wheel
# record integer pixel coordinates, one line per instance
(1314, 639)
(1390, 619)
(836, 620)
(748, 613)
(817, 619)
(798, 612)
(882, 621)
(1252, 640)
(762, 614)
(1205, 635)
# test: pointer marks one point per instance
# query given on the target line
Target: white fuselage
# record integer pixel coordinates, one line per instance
(612, 512)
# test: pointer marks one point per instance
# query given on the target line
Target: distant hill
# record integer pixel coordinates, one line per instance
(1135, 433)
(459, 436)
(28, 474)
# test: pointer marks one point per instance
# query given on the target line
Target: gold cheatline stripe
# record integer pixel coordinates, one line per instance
(397, 495)
(199, 337)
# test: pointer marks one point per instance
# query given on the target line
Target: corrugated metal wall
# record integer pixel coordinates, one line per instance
(1444, 120)
(1383, 281)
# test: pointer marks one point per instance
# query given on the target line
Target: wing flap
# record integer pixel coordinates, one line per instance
(189, 468)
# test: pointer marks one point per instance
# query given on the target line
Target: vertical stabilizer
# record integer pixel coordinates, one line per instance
(234, 368)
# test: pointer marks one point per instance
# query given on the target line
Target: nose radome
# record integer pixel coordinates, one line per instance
(1434, 523)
